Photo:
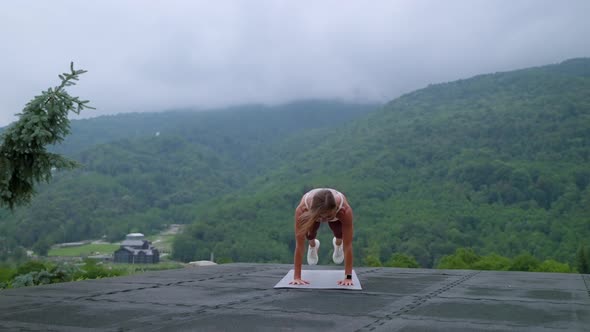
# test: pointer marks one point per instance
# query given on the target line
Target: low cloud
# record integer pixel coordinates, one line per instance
(152, 55)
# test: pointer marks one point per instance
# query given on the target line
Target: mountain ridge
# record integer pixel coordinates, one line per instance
(497, 162)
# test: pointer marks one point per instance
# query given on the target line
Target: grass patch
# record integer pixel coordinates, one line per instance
(84, 250)
(162, 242)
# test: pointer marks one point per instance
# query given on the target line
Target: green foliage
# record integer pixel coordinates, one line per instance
(34, 273)
(11, 253)
(42, 247)
(372, 261)
(524, 262)
(551, 265)
(24, 159)
(6, 274)
(496, 163)
(185, 249)
(145, 182)
(31, 266)
(92, 270)
(84, 250)
(64, 272)
(465, 258)
(32, 279)
(402, 260)
(583, 259)
(492, 262)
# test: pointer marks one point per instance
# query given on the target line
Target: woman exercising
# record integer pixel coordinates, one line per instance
(317, 206)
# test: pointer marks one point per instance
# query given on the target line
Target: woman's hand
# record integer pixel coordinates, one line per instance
(345, 282)
(299, 282)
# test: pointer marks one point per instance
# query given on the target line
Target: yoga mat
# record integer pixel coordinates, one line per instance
(320, 279)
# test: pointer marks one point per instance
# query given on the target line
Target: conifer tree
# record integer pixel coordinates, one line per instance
(24, 159)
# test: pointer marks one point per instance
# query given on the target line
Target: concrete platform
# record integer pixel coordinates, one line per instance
(240, 297)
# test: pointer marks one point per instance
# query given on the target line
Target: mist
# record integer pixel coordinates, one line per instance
(155, 56)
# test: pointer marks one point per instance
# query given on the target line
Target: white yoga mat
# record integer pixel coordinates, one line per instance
(320, 279)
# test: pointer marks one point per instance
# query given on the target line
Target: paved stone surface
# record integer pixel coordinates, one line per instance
(240, 297)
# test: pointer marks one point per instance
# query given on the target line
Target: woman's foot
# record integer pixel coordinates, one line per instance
(338, 255)
(312, 253)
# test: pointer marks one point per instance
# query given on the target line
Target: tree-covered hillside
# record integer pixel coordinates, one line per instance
(143, 171)
(498, 162)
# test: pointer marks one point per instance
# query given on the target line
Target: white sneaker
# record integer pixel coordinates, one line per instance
(338, 255)
(312, 253)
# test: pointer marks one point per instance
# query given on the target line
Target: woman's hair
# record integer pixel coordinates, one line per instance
(322, 202)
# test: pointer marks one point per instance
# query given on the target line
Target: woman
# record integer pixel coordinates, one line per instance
(317, 206)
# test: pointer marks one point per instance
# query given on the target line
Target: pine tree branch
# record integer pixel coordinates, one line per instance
(24, 160)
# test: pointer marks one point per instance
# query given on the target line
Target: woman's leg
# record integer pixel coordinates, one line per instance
(314, 245)
(312, 234)
(338, 255)
(336, 227)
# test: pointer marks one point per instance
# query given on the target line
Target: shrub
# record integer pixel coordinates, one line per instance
(402, 260)
(553, 266)
(31, 266)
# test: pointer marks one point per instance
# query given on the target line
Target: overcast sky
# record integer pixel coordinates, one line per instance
(159, 55)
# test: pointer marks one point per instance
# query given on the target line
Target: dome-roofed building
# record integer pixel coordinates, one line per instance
(136, 250)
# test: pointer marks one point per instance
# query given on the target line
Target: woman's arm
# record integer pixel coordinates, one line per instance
(347, 235)
(299, 248)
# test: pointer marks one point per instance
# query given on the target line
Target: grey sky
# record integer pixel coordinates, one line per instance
(157, 55)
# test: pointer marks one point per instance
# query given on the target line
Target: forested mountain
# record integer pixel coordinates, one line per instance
(498, 162)
(143, 171)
